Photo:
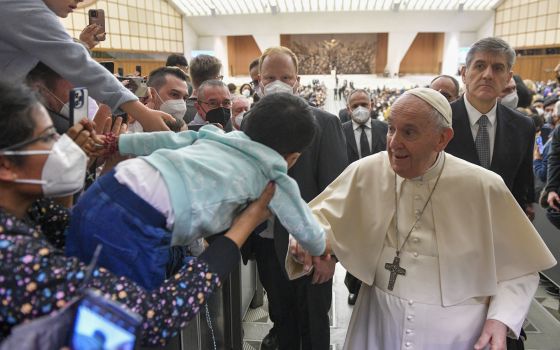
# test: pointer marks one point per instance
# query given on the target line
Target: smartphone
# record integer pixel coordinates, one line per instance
(78, 105)
(139, 70)
(109, 65)
(120, 71)
(97, 16)
(101, 323)
(538, 141)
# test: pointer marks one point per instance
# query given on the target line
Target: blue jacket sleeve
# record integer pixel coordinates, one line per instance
(143, 144)
(296, 217)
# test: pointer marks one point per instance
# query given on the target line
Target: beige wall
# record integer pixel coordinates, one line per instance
(529, 23)
(134, 25)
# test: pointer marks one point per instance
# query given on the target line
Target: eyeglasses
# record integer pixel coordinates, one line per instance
(215, 104)
(254, 83)
(48, 135)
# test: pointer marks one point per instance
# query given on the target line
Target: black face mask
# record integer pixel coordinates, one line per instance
(218, 115)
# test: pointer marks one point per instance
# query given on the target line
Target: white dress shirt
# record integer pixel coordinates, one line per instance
(474, 115)
(358, 133)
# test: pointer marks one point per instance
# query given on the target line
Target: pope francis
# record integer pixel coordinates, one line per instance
(448, 258)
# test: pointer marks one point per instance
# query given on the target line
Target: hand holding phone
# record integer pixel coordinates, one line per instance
(78, 105)
(97, 17)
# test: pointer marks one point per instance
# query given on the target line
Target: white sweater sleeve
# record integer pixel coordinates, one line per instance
(31, 32)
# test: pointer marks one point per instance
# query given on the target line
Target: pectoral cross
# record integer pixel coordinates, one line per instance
(396, 270)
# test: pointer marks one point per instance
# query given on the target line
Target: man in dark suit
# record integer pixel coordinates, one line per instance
(299, 308)
(490, 134)
(364, 136)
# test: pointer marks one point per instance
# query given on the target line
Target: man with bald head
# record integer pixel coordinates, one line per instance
(447, 86)
(435, 240)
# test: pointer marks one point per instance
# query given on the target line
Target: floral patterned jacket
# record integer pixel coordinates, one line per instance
(36, 278)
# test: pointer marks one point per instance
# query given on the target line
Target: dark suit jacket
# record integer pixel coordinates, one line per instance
(512, 157)
(378, 139)
(344, 115)
(316, 168)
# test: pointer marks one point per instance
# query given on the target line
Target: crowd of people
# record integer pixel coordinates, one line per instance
(155, 220)
(348, 57)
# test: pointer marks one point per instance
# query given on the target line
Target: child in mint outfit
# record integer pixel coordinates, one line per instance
(192, 184)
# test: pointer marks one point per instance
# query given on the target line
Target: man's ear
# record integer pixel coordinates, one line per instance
(7, 169)
(445, 136)
(199, 110)
(463, 72)
(291, 158)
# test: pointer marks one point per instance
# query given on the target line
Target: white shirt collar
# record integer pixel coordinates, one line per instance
(474, 114)
(356, 126)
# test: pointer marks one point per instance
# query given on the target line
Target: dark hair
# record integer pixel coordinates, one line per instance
(254, 63)
(175, 124)
(17, 103)
(158, 77)
(245, 85)
(42, 73)
(525, 96)
(282, 122)
(176, 59)
(204, 67)
(231, 87)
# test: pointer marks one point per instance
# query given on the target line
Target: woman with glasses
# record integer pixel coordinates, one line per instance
(35, 276)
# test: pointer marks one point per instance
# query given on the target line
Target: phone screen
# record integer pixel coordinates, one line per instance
(78, 105)
(100, 326)
(540, 145)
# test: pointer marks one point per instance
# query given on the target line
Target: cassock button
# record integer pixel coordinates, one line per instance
(408, 344)
(415, 254)
(410, 317)
(417, 197)
(417, 211)
(416, 240)
(408, 331)
(410, 302)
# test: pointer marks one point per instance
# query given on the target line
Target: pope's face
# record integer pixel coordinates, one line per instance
(414, 138)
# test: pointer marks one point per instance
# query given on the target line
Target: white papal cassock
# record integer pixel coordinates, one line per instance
(435, 305)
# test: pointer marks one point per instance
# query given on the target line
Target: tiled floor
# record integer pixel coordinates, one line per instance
(542, 326)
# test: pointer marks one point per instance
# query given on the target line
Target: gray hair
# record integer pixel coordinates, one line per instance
(493, 45)
(238, 97)
(355, 91)
(556, 110)
(209, 84)
(438, 119)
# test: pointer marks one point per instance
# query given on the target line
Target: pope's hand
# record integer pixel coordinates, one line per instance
(324, 269)
(493, 334)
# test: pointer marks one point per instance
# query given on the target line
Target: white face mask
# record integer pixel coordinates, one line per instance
(540, 111)
(177, 108)
(510, 100)
(64, 171)
(238, 119)
(278, 86)
(65, 109)
(361, 115)
(246, 93)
